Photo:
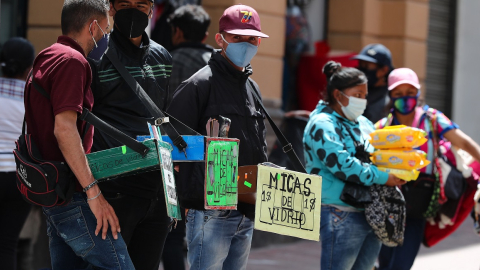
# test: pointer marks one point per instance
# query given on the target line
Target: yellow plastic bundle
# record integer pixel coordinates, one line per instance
(407, 175)
(400, 159)
(398, 137)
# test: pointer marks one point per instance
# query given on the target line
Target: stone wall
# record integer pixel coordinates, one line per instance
(400, 25)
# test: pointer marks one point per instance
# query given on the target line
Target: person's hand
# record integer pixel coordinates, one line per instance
(104, 214)
(394, 181)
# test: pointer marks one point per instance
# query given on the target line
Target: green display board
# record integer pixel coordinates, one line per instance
(121, 161)
(166, 166)
(221, 170)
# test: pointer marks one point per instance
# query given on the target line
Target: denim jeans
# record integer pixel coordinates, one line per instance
(218, 239)
(73, 244)
(348, 242)
(402, 257)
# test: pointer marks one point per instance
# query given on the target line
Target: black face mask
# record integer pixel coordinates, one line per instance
(371, 75)
(131, 22)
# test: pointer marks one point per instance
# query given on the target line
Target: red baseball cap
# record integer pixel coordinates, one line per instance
(241, 20)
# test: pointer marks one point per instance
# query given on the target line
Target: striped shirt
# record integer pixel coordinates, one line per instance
(146, 71)
(11, 118)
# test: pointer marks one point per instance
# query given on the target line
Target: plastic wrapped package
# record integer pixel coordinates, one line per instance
(398, 137)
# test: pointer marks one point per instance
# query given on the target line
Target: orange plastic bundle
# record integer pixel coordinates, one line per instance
(400, 159)
(396, 154)
(407, 175)
(398, 137)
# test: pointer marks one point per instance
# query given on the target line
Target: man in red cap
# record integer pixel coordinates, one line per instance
(221, 239)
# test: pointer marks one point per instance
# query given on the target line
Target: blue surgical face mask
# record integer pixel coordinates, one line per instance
(240, 53)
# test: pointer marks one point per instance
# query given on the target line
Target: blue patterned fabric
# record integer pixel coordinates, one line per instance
(330, 149)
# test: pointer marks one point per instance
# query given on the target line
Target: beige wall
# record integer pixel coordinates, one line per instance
(44, 22)
(401, 25)
(44, 28)
(267, 64)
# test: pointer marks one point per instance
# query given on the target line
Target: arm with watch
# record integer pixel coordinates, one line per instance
(70, 145)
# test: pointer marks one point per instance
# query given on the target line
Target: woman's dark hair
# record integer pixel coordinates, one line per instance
(193, 20)
(341, 78)
(16, 57)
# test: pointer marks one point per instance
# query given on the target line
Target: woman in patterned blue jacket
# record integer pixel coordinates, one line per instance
(336, 149)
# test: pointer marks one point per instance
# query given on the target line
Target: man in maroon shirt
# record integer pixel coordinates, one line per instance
(63, 71)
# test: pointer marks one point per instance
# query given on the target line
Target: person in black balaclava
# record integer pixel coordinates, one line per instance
(138, 200)
(375, 60)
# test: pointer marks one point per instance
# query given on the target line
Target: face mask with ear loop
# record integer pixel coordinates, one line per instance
(355, 107)
(240, 53)
(89, 29)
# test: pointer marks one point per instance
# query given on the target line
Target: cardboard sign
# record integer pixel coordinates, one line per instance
(288, 203)
(166, 166)
(195, 148)
(221, 170)
(121, 161)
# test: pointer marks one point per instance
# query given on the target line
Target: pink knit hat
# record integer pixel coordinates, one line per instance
(402, 76)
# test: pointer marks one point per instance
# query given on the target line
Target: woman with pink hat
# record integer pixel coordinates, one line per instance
(404, 91)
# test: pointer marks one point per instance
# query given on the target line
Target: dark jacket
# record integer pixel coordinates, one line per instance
(377, 101)
(188, 58)
(219, 89)
(117, 104)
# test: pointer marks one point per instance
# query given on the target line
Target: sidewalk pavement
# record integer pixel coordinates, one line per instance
(460, 251)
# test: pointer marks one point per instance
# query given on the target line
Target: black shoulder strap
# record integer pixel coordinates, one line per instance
(177, 140)
(24, 96)
(90, 118)
(286, 146)
(108, 129)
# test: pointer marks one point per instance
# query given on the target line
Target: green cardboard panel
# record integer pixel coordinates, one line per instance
(111, 163)
(221, 170)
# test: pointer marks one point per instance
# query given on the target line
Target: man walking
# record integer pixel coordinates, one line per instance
(221, 239)
(78, 231)
(138, 200)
